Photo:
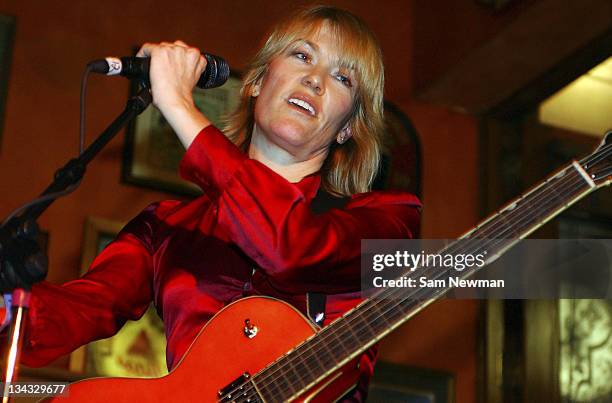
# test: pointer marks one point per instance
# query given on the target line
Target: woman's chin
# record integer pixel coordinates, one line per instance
(292, 135)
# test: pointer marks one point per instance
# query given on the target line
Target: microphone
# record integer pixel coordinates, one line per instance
(215, 74)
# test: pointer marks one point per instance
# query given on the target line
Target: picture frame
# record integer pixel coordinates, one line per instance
(152, 151)
(7, 35)
(395, 383)
(138, 350)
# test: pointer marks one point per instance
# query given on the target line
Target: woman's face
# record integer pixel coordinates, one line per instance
(306, 97)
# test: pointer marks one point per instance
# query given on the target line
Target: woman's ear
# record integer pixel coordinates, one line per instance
(345, 134)
(255, 89)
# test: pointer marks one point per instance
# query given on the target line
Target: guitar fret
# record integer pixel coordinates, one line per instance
(307, 360)
(508, 224)
(556, 193)
(328, 355)
(325, 353)
(316, 355)
(321, 352)
(378, 324)
(584, 185)
(338, 341)
(392, 307)
(274, 388)
(377, 319)
(294, 367)
(318, 363)
(266, 389)
(342, 336)
(252, 396)
(352, 331)
(302, 362)
(403, 307)
(531, 211)
(365, 328)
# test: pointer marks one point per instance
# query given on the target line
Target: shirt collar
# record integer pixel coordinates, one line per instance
(309, 185)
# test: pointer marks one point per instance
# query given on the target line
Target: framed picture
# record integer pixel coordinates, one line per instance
(139, 348)
(401, 160)
(152, 151)
(393, 383)
(7, 33)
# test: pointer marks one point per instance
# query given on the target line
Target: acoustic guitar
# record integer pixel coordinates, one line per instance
(262, 349)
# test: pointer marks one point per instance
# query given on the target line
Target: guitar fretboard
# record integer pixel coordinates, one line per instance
(363, 326)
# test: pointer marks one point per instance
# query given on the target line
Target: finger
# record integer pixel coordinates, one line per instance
(181, 44)
(146, 49)
(193, 53)
(201, 65)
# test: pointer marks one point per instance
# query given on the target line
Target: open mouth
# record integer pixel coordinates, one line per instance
(305, 106)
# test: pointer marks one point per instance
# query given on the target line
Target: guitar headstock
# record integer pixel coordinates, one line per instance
(599, 164)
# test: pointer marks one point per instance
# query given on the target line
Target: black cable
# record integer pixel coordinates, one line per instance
(84, 79)
(51, 196)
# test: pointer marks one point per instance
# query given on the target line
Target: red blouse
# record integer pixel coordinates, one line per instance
(252, 232)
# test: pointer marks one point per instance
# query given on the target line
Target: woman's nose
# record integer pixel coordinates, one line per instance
(314, 82)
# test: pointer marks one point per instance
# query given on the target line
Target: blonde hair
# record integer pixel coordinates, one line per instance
(350, 167)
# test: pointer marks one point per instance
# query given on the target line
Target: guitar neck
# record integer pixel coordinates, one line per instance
(375, 317)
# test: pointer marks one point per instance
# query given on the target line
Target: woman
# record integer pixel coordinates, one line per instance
(308, 127)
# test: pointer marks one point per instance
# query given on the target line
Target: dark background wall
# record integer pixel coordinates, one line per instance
(420, 39)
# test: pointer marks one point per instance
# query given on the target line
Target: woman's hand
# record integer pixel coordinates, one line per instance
(175, 70)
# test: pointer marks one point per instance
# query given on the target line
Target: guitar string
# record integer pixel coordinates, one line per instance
(565, 169)
(569, 167)
(593, 159)
(259, 381)
(322, 336)
(364, 315)
(481, 231)
(597, 158)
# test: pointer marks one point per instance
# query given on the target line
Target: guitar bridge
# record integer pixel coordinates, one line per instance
(242, 388)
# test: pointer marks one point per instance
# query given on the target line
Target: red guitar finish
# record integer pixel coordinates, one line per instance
(220, 354)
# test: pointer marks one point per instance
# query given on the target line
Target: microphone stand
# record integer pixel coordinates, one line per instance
(13, 248)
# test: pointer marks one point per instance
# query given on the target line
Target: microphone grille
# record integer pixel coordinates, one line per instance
(216, 74)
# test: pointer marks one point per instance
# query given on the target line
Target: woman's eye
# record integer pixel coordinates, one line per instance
(345, 80)
(302, 55)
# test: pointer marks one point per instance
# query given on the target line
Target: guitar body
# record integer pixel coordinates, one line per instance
(221, 353)
(226, 348)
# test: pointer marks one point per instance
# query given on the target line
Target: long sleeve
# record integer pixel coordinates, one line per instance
(117, 288)
(271, 221)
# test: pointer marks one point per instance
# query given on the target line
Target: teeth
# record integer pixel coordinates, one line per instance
(303, 104)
